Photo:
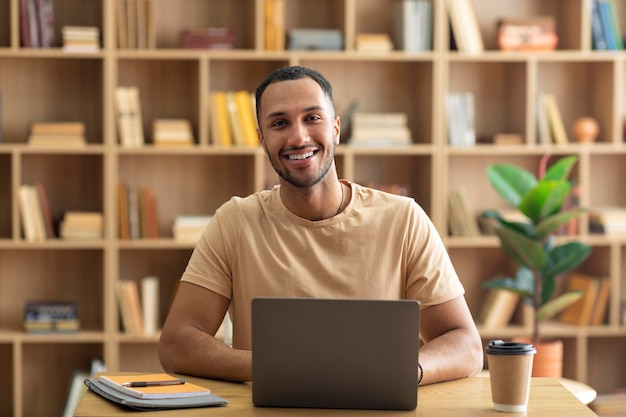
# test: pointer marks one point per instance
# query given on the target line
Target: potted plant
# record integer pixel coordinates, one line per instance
(532, 243)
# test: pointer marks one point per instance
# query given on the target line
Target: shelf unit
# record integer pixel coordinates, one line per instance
(50, 85)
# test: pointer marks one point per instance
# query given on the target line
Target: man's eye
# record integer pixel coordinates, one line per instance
(278, 123)
(313, 117)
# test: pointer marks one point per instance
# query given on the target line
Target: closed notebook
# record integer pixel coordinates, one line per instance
(143, 404)
(175, 390)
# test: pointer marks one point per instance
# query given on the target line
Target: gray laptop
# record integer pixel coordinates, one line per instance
(335, 353)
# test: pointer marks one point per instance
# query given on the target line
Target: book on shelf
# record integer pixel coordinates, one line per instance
(373, 42)
(137, 212)
(36, 23)
(51, 316)
(207, 38)
(460, 119)
(32, 215)
(233, 119)
(246, 117)
(135, 24)
(82, 225)
(497, 308)
(129, 118)
(139, 305)
(465, 28)
(57, 134)
(529, 33)
(379, 129)
(413, 25)
(461, 219)
(172, 132)
(81, 38)
(502, 139)
(580, 312)
(544, 136)
(607, 219)
(129, 303)
(318, 39)
(44, 201)
(150, 304)
(274, 19)
(188, 228)
(555, 121)
(165, 386)
(220, 123)
(606, 32)
(600, 306)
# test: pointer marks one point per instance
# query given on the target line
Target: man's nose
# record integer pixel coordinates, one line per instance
(299, 134)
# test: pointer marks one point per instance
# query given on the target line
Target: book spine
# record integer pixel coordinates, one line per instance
(150, 304)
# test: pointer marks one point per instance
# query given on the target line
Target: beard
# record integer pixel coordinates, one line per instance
(304, 183)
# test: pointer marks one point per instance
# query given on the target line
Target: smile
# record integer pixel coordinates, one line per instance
(301, 156)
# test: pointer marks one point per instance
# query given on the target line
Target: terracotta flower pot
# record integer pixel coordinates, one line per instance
(548, 361)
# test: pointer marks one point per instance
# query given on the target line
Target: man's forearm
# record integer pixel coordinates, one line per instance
(197, 353)
(453, 355)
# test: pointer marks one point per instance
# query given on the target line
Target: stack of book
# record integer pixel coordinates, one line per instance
(172, 132)
(208, 38)
(62, 134)
(81, 38)
(81, 225)
(460, 119)
(380, 129)
(189, 228)
(233, 118)
(373, 42)
(607, 219)
(606, 32)
(413, 25)
(51, 316)
(35, 213)
(315, 39)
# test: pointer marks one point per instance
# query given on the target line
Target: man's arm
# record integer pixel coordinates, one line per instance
(452, 346)
(187, 344)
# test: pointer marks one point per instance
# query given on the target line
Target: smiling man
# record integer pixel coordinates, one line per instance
(313, 235)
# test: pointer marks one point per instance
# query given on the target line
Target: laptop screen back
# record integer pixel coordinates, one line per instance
(335, 353)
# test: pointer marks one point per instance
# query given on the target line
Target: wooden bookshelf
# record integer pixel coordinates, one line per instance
(52, 85)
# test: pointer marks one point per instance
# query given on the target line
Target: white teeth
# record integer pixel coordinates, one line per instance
(301, 156)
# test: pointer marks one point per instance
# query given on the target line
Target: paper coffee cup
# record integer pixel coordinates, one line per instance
(510, 369)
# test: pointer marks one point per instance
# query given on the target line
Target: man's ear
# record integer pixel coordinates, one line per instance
(260, 136)
(337, 129)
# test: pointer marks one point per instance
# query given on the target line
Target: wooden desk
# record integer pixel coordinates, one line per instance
(466, 397)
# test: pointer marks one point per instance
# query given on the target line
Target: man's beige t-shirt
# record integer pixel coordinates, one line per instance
(381, 246)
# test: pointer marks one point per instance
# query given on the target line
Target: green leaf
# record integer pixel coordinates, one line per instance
(545, 199)
(561, 169)
(511, 182)
(523, 250)
(552, 223)
(566, 257)
(553, 307)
